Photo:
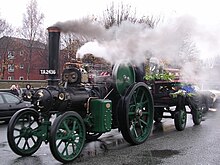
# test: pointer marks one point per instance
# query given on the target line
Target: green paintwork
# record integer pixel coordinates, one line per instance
(141, 123)
(123, 76)
(136, 116)
(67, 137)
(180, 120)
(101, 110)
(25, 132)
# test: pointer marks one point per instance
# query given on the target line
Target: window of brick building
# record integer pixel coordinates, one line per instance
(21, 53)
(11, 68)
(10, 77)
(11, 55)
(21, 66)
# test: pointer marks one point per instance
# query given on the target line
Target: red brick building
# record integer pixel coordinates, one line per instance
(21, 61)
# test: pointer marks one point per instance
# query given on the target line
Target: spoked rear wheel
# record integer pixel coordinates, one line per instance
(22, 132)
(67, 137)
(136, 115)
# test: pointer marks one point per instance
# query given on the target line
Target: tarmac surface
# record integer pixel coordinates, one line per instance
(194, 145)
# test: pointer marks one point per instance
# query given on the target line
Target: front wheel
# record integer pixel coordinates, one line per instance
(67, 137)
(22, 132)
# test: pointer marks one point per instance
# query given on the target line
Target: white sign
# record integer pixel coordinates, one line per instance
(48, 72)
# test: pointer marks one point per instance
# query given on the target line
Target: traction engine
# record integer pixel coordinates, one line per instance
(66, 113)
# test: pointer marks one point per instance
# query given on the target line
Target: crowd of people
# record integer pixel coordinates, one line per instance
(22, 93)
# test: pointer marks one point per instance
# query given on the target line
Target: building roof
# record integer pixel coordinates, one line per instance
(5, 40)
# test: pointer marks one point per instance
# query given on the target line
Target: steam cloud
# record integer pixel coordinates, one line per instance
(133, 42)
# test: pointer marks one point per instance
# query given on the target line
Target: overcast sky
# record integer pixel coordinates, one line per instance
(62, 10)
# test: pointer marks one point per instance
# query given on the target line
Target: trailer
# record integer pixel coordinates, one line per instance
(170, 101)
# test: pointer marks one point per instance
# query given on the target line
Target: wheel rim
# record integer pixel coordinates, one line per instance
(67, 137)
(22, 133)
(138, 114)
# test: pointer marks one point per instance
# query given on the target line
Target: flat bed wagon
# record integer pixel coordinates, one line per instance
(170, 101)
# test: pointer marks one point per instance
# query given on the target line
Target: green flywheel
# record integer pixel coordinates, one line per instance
(123, 76)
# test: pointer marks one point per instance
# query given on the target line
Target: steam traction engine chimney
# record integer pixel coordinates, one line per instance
(54, 44)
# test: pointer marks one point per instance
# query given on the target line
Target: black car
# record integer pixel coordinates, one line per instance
(9, 104)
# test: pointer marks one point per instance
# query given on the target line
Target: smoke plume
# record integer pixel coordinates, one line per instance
(84, 27)
(135, 42)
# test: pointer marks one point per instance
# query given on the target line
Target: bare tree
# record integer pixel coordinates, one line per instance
(32, 28)
(71, 42)
(114, 15)
(188, 51)
(5, 28)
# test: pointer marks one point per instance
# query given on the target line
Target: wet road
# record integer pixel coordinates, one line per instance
(196, 145)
